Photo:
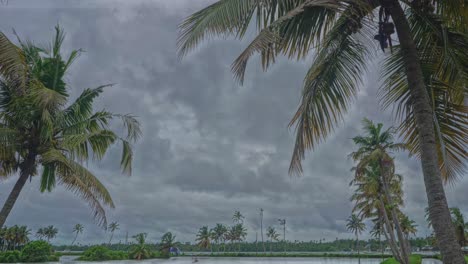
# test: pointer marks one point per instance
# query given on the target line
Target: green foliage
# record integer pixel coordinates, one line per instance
(10, 256)
(37, 251)
(41, 124)
(140, 250)
(101, 253)
(414, 259)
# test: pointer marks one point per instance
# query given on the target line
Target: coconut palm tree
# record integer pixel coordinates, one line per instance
(77, 229)
(204, 238)
(219, 232)
(408, 226)
(112, 227)
(40, 234)
(460, 225)
(261, 229)
(376, 169)
(272, 236)
(140, 250)
(355, 225)
(282, 222)
(43, 132)
(238, 218)
(239, 232)
(50, 232)
(424, 75)
(167, 242)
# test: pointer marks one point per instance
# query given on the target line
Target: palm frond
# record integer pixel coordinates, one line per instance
(287, 34)
(451, 124)
(82, 107)
(329, 87)
(225, 17)
(13, 65)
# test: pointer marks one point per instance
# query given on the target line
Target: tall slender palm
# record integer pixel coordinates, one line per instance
(43, 132)
(272, 236)
(354, 224)
(237, 217)
(77, 229)
(50, 232)
(376, 164)
(261, 229)
(425, 76)
(461, 226)
(204, 237)
(112, 227)
(282, 222)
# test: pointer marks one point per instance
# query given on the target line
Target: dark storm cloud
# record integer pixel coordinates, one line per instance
(210, 146)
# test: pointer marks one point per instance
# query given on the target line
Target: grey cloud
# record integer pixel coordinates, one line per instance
(210, 146)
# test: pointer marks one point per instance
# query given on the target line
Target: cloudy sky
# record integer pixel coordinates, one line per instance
(210, 146)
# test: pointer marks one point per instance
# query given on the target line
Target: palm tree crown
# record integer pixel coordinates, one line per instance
(43, 132)
(424, 76)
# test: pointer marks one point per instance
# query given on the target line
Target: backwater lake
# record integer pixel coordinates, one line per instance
(244, 260)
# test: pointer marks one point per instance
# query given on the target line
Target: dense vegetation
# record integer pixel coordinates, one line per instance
(35, 251)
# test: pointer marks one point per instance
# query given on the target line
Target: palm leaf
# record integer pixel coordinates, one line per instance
(12, 64)
(329, 87)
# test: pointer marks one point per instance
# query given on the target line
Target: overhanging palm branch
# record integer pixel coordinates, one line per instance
(446, 76)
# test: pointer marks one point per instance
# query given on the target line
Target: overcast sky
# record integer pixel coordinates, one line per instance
(209, 146)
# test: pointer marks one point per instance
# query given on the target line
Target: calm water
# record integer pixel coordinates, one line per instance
(201, 260)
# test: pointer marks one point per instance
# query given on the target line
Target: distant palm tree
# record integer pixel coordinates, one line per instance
(354, 224)
(374, 155)
(167, 242)
(204, 237)
(40, 234)
(282, 223)
(408, 226)
(77, 229)
(238, 218)
(44, 133)
(140, 250)
(261, 228)
(460, 225)
(240, 232)
(112, 227)
(219, 232)
(273, 236)
(50, 232)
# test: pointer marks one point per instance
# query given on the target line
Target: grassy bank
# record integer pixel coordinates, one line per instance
(414, 259)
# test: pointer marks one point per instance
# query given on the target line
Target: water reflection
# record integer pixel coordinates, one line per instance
(206, 260)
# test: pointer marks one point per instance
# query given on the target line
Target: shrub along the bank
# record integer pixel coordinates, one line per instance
(100, 253)
(35, 251)
(414, 259)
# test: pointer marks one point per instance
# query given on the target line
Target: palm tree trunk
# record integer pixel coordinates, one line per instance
(110, 239)
(26, 168)
(423, 112)
(403, 244)
(357, 244)
(74, 239)
(391, 236)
